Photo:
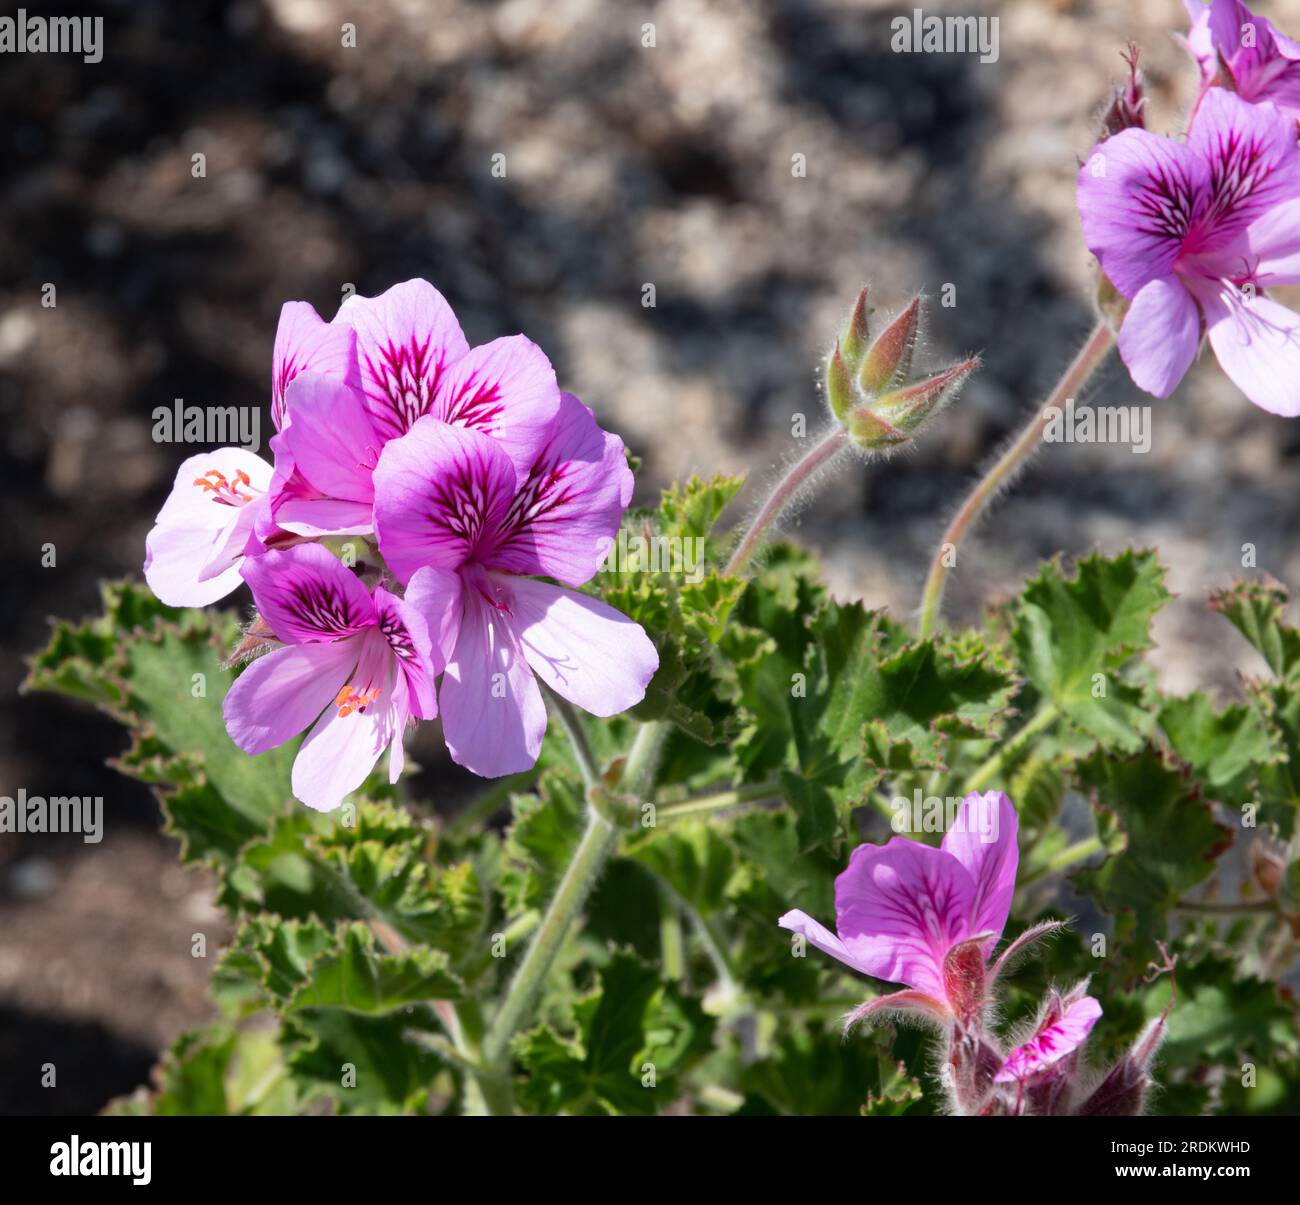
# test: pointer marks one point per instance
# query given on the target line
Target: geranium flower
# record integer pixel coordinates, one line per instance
(385, 362)
(468, 532)
(1063, 1028)
(207, 526)
(927, 917)
(1260, 63)
(1192, 233)
(355, 668)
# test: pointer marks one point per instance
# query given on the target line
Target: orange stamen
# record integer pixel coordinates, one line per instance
(349, 700)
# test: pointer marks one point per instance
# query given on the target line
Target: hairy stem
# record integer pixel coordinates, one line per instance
(589, 858)
(1004, 469)
(820, 454)
(1045, 717)
(715, 801)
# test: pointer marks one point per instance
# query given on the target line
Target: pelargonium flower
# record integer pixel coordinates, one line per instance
(208, 524)
(1192, 233)
(1260, 63)
(347, 387)
(468, 532)
(355, 668)
(927, 917)
(1044, 1066)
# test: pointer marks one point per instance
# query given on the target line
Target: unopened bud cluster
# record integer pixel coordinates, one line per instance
(867, 382)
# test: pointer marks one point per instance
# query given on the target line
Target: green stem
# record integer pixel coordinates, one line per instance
(589, 858)
(715, 801)
(1045, 717)
(1064, 860)
(1215, 908)
(1006, 466)
(820, 454)
(573, 729)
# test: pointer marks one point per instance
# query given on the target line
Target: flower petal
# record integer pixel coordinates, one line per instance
(305, 342)
(900, 908)
(984, 839)
(582, 648)
(307, 595)
(407, 634)
(1138, 194)
(493, 716)
(1063, 1035)
(284, 692)
(505, 389)
(406, 339)
(341, 750)
(437, 595)
(564, 518)
(1160, 335)
(820, 936)
(1257, 342)
(331, 439)
(1253, 161)
(441, 492)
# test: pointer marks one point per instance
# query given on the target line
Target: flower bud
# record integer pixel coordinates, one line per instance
(1124, 1091)
(1127, 102)
(889, 359)
(866, 389)
(856, 334)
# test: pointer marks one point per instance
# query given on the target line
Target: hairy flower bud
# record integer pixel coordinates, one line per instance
(1126, 102)
(866, 385)
(1124, 1091)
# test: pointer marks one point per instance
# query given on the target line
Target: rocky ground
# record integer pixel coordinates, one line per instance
(626, 165)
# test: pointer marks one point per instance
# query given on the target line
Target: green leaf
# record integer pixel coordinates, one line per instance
(1255, 609)
(1168, 841)
(632, 1034)
(1223, 748)
(359, 979)
(1073, 635)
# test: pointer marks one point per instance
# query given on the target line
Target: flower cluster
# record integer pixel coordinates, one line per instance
(930, 918)
(1193, 232)
(448, 479)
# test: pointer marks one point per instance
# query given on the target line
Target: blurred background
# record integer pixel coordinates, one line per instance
(627, 163)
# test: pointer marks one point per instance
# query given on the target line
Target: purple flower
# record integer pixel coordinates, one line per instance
(354, 669)
(923, 916)
(207, 526)
(1064, 1027)
(1260, 63)
(466, 525)
(1192, 233)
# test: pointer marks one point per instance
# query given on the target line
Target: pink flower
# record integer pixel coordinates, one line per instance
(342, 390)
(305, 342)
(1063, 1028)
(1260, 63)
(1192, 233)
(206, 527)
(923, 916)
(354, 669)
(467, 526)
